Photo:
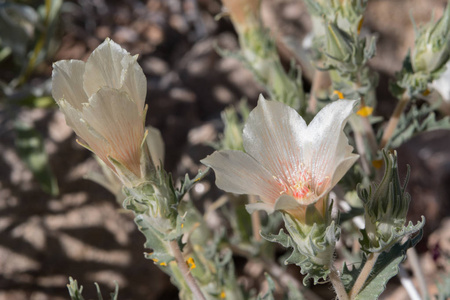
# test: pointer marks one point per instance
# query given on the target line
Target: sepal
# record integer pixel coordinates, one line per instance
(432, 45)
(312, 250)
(386, 205)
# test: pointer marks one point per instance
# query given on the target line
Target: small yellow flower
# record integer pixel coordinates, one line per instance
(222, 295)
(191, 264)
(378, 163)
(340, 95)
(365, 111)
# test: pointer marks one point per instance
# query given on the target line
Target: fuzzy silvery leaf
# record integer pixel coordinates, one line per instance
(415, 121)
(385, 268)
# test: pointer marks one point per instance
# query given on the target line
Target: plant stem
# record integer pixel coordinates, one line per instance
(321, 80)
(195, 289)
(256, 220)
(365, 272)
(338, 285)
(393, 121)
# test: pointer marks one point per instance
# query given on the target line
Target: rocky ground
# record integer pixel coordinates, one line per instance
(83, 233)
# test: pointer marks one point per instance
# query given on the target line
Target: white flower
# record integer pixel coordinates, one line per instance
(103, 101)
(288, 164)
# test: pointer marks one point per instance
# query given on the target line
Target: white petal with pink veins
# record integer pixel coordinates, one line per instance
(67, 82)
(115, 116)
(273, 136)
(239, 173)
(326, 146)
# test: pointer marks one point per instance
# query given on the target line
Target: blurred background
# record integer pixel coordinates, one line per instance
(55, 224)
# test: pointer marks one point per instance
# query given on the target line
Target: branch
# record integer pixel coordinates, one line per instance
(337, 284)
(195, 289)
(365, 273)
(393, 121)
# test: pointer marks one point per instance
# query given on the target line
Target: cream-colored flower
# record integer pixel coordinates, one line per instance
(103, 100)
(288, 164)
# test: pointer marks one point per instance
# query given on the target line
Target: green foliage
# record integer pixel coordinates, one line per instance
(30, 147)
(432, 46)
(385, 268)
(386, 205)
(75, 292)
(415, 121)
(234, 119)
(269, 294)
(188, 183)
(155, 240)
(312, 251)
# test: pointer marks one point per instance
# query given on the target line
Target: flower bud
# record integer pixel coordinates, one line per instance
(432, 45)
(386, 206)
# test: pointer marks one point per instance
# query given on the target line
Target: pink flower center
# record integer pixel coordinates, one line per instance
(300, 184)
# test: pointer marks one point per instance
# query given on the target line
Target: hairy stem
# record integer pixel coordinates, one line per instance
(321, 80)
(338, 285)
(393, 121)
(365, 272)
(256, 220)
(195, 289)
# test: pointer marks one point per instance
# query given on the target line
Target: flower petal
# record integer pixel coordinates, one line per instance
(343, 168)
(273, 136)
(155, 144)
(287, 203)
(325, 144)
(92, 139)
(237, 172)
(269, 209)
(134, 81)
(116, 117)
(112, 66)
(67, 82)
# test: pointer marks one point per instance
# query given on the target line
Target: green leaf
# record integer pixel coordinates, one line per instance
(385, 268)
(30, 147)
(154, 240)
(417, 120)
(188, 183)
(74, 290)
